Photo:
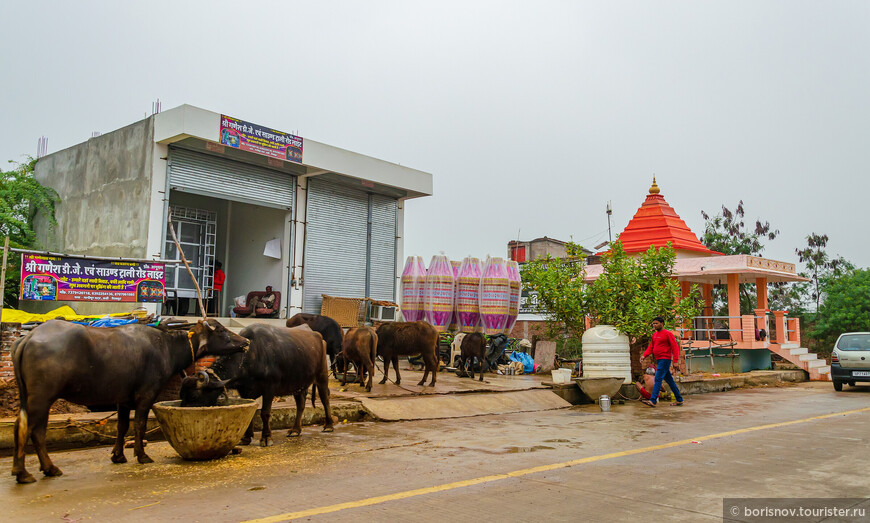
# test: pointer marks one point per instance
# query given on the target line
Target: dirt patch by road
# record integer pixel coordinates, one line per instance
(9, 401)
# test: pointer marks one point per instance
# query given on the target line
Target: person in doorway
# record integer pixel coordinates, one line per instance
(266, 301)
(217, 287)
(664, 348)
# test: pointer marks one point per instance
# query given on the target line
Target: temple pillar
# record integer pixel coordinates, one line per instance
(707, 291)
(761, 292)
(779, 319)
(734, 326)
(761, 322)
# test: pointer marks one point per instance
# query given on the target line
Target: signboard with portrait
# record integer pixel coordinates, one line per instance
(246, 136)
(56, 278)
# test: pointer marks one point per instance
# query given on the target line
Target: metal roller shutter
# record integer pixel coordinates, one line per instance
(382, 275)
(208, 175)
(335, 244)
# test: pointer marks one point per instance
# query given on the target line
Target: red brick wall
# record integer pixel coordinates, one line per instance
(9, 332)
(527, 329)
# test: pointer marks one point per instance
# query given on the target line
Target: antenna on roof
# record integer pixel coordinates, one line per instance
(41, 147)
(156, 106)
(94, 134)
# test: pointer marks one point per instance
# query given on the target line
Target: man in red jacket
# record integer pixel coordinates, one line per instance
(666, 351)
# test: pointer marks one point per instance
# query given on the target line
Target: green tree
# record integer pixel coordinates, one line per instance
(728, 233)
(632, 290)
(846, 307)
(559, 288)
(820, 268)
(21, 199)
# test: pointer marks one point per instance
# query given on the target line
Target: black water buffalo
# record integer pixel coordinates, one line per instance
(360, 347)
(280, 361)
(127, 366)
(473, 345)
(326, 326)
(408, 338)
(209, 386)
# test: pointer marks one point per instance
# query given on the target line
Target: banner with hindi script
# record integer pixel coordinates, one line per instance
(56, 278)
(247, 136)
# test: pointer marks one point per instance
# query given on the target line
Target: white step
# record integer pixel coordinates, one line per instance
(789, 346)
(808, 357)
(824, 370)
(799, 351)
(814, 364)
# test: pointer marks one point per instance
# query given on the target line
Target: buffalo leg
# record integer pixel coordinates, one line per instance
(266, 416)
(22, 433)
(40, 426)
(140, 424)
(371, 377)
(300, 406)
(386, 370)
(482, 365)
(396, 368)
(471, 367)
(431, 362)
(249, 434)
(123, 426)
(344, 370)
(323, 390)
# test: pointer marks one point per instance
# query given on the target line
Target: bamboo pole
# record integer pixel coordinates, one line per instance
(186, 266)
(3, 276)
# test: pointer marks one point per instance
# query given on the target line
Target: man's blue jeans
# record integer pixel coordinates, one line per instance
(663, 372)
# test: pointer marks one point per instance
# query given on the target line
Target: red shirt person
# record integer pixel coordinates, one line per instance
(666, 351)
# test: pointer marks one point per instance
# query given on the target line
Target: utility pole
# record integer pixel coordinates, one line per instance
(609, 212)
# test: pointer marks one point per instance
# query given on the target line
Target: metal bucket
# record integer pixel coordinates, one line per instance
(604, 403)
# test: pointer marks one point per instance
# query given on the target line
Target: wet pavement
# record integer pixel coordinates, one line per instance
(633, 462)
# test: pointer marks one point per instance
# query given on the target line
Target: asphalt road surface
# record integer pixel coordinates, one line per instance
(631, 464)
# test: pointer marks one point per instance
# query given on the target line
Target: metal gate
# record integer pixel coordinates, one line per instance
(350, 247)
(207, 175)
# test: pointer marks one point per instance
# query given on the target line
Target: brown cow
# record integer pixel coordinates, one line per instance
(473, 345)
(360, 347)
(408, 338)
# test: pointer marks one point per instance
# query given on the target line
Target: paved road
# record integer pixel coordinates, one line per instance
(632, 463)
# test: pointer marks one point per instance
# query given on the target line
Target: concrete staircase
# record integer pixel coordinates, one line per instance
(819, 370)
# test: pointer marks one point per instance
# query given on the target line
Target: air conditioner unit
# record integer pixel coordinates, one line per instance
(382, 313)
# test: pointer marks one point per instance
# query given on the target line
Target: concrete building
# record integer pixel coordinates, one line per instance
(523, 251)
(322, 221)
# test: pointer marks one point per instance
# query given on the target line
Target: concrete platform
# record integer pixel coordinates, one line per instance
(462, 405)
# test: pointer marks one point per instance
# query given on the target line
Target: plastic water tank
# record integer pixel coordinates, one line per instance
(606, 353)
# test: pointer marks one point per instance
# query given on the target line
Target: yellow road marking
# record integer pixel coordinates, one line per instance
(533, 470)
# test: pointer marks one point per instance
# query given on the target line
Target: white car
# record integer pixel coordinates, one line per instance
(850, 361)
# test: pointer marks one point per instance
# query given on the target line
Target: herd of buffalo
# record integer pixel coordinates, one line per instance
(129, 366)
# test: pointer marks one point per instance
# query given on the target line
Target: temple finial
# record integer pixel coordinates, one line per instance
(654, 189)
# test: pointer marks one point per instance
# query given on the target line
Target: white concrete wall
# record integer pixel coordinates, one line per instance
(295, 302)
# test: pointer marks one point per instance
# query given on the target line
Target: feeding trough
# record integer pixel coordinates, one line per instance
(201, 433)
(594, 388)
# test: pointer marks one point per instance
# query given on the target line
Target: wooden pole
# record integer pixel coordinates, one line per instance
(187, 266)
(3, 276)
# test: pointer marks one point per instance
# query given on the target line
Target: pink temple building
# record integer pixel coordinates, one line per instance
(742, 340)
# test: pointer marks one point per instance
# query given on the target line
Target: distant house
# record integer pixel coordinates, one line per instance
(523, 251)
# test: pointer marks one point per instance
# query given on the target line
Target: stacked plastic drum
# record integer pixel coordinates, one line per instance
(438, 293)
(606, 353)
(513, 269)
(454, 319)
(468, 295)
(413, 287)
(495, 294)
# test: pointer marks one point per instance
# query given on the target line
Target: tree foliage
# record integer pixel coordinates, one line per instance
(821, 269)
(21, 199)
(560, 291)
(728, 233)
(632, 290)
(846, 307)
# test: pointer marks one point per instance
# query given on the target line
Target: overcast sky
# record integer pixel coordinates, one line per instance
(529, 115)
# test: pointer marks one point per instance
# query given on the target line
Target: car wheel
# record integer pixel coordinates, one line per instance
(838, 385)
